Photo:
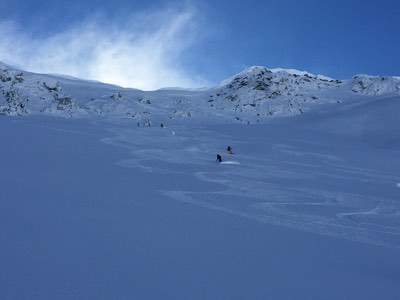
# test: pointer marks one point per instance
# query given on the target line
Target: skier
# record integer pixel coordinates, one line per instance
(229, 150)
(219, 158)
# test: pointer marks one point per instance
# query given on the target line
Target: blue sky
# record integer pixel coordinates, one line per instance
(200, 42)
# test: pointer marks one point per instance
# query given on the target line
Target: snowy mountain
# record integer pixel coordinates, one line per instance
(95, 206)
(258, 93)
(254, 95)
(376, 85)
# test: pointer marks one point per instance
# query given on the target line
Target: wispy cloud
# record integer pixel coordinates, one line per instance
(143, 51)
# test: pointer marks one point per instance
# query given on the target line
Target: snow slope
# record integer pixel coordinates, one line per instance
(104, 203)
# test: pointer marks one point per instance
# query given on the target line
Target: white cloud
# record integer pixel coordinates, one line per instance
(142, 52)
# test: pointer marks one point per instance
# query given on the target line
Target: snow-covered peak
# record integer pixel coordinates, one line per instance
(272, 83)
(300, 73)
(259, 92)
(376, 85)
(251, 71)
(259, 71)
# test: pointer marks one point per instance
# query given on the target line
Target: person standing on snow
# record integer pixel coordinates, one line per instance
(229, 150)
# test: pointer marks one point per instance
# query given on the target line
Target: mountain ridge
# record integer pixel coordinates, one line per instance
(254, 95)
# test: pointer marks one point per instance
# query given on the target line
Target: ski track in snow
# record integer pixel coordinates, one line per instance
(291, 189)
(230, 162)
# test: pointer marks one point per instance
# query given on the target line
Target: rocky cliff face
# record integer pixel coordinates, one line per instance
(264, 92)
(23, 93)
(375, 85)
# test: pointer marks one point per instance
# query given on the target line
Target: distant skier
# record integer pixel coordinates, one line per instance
(229, 150)
(219, 158)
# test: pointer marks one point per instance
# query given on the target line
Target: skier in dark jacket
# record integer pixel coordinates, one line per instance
(229, 150)
(219, 158)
